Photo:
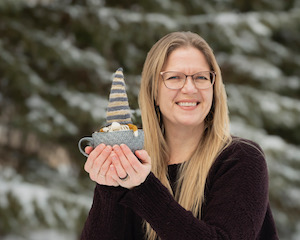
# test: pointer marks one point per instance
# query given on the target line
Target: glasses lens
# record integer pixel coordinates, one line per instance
(203, 80)
(173, 80)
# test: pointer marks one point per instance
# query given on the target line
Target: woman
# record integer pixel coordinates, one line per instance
(200, 182)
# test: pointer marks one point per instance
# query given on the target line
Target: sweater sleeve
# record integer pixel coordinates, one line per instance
(106, 219)
(235, 205)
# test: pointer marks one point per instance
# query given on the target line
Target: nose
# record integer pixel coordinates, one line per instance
(189, 85)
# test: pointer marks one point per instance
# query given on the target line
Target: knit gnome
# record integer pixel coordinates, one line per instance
(118, 117)
(119, 128)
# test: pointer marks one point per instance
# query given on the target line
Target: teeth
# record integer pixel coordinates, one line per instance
(187, 104)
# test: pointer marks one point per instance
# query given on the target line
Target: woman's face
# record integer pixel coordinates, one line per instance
(188, 106)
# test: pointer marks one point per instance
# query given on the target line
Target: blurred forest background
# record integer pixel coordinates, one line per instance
(56, 62)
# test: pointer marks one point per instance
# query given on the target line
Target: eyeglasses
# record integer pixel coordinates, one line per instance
(176, 80)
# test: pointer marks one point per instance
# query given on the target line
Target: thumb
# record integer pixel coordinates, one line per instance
(88, 149)
(143, 156)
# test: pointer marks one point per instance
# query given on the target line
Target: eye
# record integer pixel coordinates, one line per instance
(173, 77)
(201, 77)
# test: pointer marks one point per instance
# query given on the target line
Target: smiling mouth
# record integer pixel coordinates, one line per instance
(187, 104)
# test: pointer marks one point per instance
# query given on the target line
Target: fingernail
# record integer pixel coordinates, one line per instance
(123, 146)
(113, 156)
(108, 148)
(140, 151)
(116, 148)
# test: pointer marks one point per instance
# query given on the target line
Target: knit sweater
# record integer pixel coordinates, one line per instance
(236, 205)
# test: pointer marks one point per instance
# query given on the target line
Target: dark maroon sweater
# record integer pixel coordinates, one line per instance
(236, 204)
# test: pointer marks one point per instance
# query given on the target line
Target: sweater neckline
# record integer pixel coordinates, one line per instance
(174, 165)
(172, 173)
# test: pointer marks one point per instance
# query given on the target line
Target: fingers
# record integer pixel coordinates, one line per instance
(113, 175)
(110, 177)
(90, 161)
(88, 149)
(123, 160)
(101, 164)
(118, 167)
(97, 151)
(98, 165)
(136, 165)
(143, 156)
(127, 162)
(107, 165)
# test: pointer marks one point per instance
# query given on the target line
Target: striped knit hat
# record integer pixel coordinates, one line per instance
(118, 108)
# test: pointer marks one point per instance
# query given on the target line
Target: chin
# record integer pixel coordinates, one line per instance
(189, 123)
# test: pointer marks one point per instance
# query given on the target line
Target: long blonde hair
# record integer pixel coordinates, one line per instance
(193, 173)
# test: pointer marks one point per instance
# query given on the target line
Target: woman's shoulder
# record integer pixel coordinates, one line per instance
(242, 146)
(241, 153)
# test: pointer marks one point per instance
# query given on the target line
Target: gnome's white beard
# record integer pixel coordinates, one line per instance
(115, 126)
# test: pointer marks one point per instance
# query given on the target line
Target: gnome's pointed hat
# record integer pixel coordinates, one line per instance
(118, 108)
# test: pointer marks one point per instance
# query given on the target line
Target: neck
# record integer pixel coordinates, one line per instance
(182, 142)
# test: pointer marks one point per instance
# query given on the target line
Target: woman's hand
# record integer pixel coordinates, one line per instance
(127, 170)
(98, 165)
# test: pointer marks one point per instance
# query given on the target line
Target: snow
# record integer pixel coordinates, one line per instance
(40, 110)
(33, 3)
(272, 144)
(161, 19)
(227, 18)
(268, 105)
(50, 200)
(263, 107)
(45, 234)
(257, 27)
(105, 16)
(36, 81)
(256, 67)
(5, 55)
(91, 103)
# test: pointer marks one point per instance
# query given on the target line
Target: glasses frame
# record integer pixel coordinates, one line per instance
(212, 73)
